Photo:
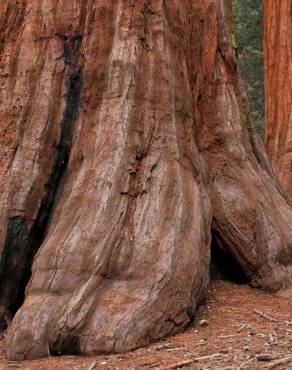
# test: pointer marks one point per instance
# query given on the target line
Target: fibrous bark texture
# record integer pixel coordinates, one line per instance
(251, 219)
(122, 120)
(278, 88)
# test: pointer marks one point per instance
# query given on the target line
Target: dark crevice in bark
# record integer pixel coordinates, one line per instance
(285, 257)
(224, 267)
(68, 345)
(14, 253)
(71, 48)
(21, 243)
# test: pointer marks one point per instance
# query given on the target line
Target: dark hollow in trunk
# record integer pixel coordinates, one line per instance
(224, 267)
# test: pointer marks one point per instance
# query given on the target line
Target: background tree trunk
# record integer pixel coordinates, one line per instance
(249, 213)
(123, 119)
(278, 90)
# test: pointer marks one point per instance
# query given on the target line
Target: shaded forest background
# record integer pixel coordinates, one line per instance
(248, 15)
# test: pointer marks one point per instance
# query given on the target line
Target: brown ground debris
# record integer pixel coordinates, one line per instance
(236, 335)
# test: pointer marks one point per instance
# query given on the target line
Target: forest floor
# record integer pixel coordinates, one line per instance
(236, 328)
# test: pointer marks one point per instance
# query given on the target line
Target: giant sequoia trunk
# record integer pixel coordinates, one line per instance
(123, 127)
(278, 88)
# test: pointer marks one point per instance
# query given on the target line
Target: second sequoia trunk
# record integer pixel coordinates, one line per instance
(278, 88)
(133, 122)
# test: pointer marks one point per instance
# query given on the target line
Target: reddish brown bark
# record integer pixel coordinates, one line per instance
(126, 254)
(278, 88)
(249, 213)
(129, 119)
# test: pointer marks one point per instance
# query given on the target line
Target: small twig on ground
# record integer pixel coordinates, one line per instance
(267, 357)
(148, 363)
(260, 313)
(241, 328)
(272, 339)
(174, 349)
(177, 365)
(162, 346)
(242, 366)
(92, 366)
(282, 361)
(197, 359)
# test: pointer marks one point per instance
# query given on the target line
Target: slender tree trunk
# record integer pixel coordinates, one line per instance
(278, 88)
(127, 120)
